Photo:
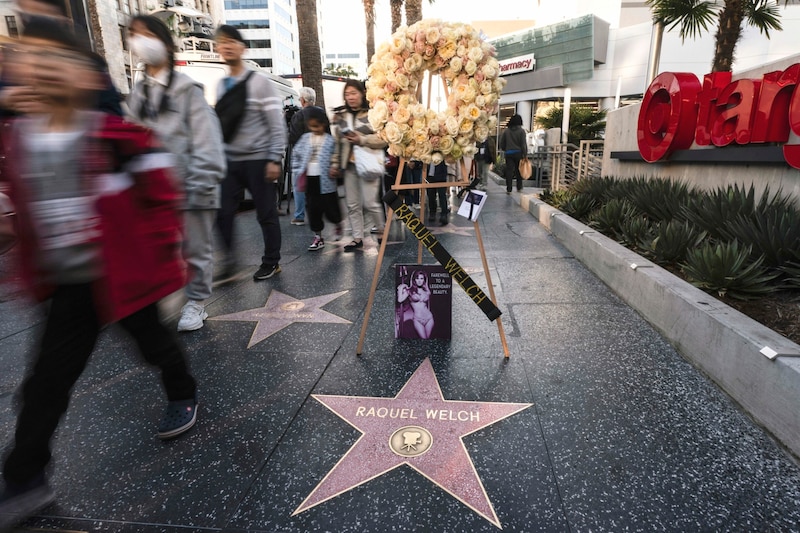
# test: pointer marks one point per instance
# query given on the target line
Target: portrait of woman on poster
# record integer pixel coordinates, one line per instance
(418, 295)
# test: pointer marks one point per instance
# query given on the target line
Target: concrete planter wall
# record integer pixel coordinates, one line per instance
(724, 343)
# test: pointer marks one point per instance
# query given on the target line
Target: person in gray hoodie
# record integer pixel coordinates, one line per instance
(173, 106)
(254, 131)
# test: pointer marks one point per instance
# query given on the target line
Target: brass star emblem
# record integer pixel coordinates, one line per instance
(418, 428)
(282, 310)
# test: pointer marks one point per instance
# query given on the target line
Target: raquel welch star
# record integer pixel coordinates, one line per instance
(282, 310)
(418, 428)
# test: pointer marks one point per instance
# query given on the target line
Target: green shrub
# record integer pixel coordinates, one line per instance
(636, 232)
(673, 240)
(727, 269)
(772, 231)
(579, 206)
(660, 199)
(609, 217)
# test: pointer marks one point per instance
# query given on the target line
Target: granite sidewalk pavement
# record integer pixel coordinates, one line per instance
(594, 423)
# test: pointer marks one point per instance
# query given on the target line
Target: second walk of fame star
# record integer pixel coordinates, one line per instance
(282, 310)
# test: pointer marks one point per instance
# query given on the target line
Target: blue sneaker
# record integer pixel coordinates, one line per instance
(179, 417)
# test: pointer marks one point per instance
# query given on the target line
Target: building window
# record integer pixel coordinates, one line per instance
(246, 4)
(123, 33)
(249, 24)
(124, 6)
(11, 24)
(266, 63)
(258, 43)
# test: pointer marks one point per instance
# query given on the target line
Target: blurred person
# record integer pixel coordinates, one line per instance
(437, 174)
(312, 157)
(514, 143)
(173, 105)
(353, 128)
(15, 100)
(254, 131)
(99, 235)
(297, 127)
(484, 159)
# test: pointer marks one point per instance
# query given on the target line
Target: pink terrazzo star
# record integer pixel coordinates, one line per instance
(282, 310)
(418, 428)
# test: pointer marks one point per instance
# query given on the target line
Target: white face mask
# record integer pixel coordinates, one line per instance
(149, 49)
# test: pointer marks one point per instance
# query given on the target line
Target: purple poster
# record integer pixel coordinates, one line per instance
(423, 303)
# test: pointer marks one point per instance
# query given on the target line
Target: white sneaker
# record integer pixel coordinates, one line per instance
(192, 316)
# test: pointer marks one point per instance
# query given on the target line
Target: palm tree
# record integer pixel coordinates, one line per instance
(397, 13)
(369, 15)
(694, 17)
(310, 54)
(585, 122)
(413, 11)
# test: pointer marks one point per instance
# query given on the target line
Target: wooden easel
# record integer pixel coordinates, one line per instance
(390, 215)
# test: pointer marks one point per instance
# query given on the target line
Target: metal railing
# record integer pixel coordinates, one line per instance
(558, 166)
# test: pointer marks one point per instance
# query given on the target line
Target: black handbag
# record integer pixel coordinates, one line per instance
(230, 108)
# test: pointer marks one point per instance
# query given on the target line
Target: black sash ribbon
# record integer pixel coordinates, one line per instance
(429, 241)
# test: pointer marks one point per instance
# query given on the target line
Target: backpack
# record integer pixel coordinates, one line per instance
(230, 108)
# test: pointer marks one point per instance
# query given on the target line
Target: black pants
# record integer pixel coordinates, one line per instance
(70, 334)
(250, 175)
(512, 171)
(441, 194)
(319, 204)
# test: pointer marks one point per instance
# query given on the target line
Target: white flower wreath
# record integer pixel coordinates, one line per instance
(465, 61)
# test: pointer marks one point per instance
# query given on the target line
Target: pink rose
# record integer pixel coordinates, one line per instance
(479, 77)
(440, 61)
(419, 47)
(435, 141)
(390, 87)
(393, 106)
(429, 50)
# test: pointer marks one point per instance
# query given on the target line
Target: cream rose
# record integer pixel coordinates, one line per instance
(452, 125)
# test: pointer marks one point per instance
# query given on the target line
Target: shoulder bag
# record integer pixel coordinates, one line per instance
(370, 162)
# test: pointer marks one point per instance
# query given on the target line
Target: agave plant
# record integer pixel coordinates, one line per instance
(579, 206)
(608, 218)
(661, 199)
(596, 189)
(673, 240)
(727, 269)
(773, 232)
(636, 232)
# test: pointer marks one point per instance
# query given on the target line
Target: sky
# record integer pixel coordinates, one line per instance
(343, 23)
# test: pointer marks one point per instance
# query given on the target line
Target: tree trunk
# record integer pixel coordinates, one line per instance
(310, 55)
(397, 13)
(728, 33)
(413, 11)
(369, 16)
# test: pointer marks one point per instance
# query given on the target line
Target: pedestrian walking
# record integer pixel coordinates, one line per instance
(99, 233)
(312, 159)
(254, 132)
(514, 142)
(353, 129)
(173, 105)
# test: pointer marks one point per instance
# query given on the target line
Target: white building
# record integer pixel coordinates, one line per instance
(581, 56)
(109, 20)
(270, 29)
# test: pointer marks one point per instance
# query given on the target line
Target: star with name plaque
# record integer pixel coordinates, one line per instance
(282, 310)
(418, 428)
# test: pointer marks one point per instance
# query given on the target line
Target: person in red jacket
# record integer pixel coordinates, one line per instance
(99, 237)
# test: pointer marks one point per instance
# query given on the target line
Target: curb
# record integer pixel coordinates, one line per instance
(757, 367)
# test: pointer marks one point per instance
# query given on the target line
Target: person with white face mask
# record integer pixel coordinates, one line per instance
(172, 105)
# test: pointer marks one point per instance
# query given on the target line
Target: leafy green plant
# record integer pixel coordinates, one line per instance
(673, 240)
(636, 232)
(579, 206)
(772, 231)
(556, 198)
(661, 199)
(727, 270)
(713, 210)
(608, 218)
(585, 122)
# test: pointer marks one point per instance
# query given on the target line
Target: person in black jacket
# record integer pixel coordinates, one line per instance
(514, 143)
